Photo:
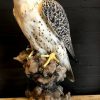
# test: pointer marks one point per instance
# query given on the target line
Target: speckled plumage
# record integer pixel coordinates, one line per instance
(44, 31)
(58, 21)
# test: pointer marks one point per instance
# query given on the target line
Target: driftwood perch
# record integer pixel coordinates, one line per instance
(46, 78)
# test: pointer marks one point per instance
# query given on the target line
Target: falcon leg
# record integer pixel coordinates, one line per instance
(52, 56)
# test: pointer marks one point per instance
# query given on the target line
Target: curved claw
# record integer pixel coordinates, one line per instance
(52, 56)
(30, 55)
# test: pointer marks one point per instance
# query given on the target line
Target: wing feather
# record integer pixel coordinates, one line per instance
(58, 21)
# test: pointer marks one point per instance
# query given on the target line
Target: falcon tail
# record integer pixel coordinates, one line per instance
(72, 56)
(70, 75)
(69, 72)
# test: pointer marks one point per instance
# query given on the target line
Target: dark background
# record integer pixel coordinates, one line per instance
(84, 19)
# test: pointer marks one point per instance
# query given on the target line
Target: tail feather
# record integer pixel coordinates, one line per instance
(70, 75)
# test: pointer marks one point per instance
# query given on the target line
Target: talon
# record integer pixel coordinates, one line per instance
(52, 56)
(30, 55)
(44, 55)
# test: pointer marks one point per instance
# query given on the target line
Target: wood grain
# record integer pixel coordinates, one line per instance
(88, 97)
(13, 99)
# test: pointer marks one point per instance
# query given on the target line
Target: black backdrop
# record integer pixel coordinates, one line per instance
(84, 19)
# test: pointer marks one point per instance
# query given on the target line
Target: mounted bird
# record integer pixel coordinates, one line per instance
(45, 25)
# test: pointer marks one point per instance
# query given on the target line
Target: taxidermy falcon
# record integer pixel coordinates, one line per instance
(45, 25)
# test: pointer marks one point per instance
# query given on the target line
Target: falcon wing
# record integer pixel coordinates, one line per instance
(58, 21)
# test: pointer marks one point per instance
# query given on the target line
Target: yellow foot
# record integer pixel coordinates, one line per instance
(52, 56)
(30, 55)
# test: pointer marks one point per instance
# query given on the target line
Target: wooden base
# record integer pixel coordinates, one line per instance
(88, 97)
